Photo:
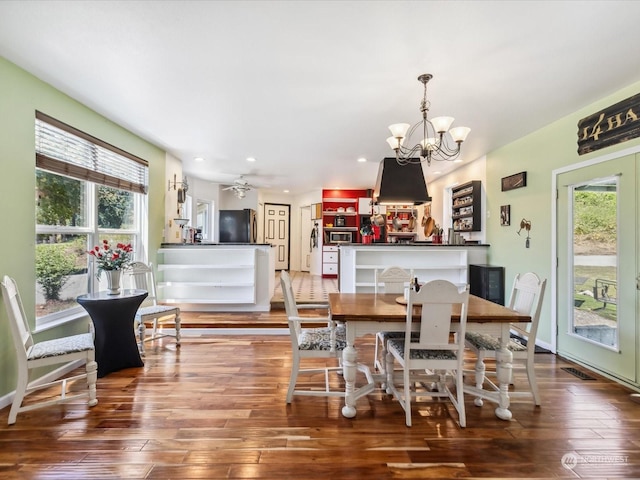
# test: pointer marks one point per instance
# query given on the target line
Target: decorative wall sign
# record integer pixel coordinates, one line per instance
(505, 215)
(615, 124)
(514, 181)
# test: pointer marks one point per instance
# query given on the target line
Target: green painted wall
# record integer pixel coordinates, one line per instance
(538, 154)
(20, 96)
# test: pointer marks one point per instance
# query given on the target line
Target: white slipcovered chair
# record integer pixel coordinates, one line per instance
(430, 358)
(150, 311)
(526, 297)
(58, 351)
(389, 280)
(319, 342)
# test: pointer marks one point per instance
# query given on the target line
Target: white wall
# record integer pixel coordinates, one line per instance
(306, 200)
(440, 191)
(172, 233)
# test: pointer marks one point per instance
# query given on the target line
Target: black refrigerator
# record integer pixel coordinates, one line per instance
(238, 226)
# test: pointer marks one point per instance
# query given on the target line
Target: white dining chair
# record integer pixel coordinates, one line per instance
(388, 280)
(143, 277)
(319, 342)
(58, 351)
(526, 297)
(430, 358)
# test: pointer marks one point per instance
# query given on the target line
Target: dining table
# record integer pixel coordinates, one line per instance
(369, 313)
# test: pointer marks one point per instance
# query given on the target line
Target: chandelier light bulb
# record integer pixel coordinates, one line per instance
(399, 130)
(459, 134)
(442, 124)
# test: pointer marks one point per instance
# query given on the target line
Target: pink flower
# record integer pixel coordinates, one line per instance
(109, 258)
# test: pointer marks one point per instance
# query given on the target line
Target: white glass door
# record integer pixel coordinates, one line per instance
(597, 266)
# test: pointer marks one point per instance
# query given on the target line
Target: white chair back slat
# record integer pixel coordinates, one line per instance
(435, 326)
(143, 277)
(290, 305)
(20, 331)
(526, 297)
(392, 280)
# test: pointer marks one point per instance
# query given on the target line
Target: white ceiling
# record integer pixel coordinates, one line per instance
(307, 87)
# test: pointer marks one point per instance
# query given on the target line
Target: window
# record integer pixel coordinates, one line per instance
(87, 191)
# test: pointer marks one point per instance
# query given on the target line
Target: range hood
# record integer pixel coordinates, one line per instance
(400, 185)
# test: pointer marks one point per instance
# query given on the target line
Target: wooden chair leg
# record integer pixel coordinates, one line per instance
(141, 335)
(177, 322)
(21, 391)
(295, 367)
(480, 373)
(533, 384)
(92, 378)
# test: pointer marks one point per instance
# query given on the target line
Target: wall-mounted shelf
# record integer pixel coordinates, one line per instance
(466, 207)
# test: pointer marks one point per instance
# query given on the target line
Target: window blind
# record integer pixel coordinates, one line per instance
(66, 150)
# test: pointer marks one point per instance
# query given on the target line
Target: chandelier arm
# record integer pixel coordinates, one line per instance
(446, 149)
(408, 153)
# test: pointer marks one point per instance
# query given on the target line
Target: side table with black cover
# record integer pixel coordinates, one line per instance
(113, 317)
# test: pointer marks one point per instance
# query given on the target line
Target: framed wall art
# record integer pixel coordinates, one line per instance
(505, 215)
(517, 180)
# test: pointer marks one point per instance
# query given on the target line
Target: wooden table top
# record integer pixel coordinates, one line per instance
(347, 307)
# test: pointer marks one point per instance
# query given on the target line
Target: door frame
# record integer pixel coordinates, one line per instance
(554, 234)
(264, 235)
(305, 236)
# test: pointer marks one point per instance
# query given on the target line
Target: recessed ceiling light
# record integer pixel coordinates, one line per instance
(251, 159)
(362, 160)
(285, 191)
(199, 159)
(437, 173)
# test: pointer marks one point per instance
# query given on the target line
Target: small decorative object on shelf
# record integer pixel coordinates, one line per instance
(112, 261)
(437, 234)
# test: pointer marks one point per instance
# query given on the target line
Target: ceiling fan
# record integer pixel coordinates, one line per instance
(240, 187)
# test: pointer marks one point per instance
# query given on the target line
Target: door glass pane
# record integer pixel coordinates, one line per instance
(595, 261)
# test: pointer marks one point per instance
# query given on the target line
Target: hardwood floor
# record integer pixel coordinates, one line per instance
(215, 409)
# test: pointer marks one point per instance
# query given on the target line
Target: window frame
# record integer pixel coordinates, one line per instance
(57, 164)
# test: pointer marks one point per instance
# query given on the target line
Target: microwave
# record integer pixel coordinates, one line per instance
(340, 237)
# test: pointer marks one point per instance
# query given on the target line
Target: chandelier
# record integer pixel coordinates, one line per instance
(434, 144)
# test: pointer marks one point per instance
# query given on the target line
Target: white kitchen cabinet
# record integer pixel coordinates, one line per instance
(330, 260)
(365, 206)
(217, 277)
(358, 263)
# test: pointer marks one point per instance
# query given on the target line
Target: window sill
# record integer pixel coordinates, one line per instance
(48, 324)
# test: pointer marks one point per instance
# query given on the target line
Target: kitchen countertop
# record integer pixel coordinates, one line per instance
(412, 244)
(211, 244)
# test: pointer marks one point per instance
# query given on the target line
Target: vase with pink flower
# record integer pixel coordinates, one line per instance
(112, 261)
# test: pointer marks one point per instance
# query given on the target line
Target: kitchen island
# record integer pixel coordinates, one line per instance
(217, 277)
(358, 262)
